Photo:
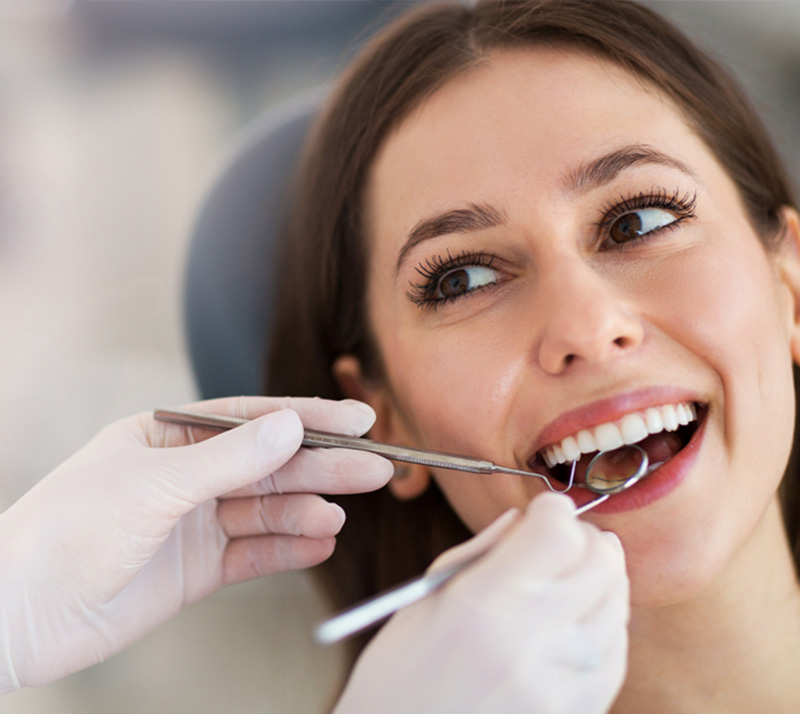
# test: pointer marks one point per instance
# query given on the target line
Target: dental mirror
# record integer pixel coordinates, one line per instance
(608, 473)
(611, 472)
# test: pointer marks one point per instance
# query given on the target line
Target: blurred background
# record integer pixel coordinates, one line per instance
(115, 118)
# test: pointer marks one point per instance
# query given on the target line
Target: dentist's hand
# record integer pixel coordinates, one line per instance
(536, 625)
(126, 532)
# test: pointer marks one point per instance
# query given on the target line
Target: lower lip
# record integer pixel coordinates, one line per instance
(651, 488)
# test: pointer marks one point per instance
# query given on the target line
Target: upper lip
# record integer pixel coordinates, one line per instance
(606, 410)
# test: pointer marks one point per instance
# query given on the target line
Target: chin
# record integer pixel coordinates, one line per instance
(664, 577)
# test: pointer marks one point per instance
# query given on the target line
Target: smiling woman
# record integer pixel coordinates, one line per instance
(534, 239)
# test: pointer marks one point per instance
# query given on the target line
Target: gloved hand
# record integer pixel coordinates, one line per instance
(123, 535)
(538, 624)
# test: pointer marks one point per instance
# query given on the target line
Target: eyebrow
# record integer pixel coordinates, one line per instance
(606, 168)
(584, 178)
(475, 217)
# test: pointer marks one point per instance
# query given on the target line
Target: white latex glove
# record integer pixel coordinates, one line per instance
(536, 625)
(122, 535)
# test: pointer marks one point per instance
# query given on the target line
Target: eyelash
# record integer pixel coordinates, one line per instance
(681, 205)
(423, 294)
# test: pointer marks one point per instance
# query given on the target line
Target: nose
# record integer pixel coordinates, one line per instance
(586, 319)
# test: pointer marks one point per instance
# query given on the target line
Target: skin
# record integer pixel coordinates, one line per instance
(698, 311)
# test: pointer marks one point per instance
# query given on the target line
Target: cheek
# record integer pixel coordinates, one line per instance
(729, 318)
(455, 390)
(749, 336)
(731, 314)
(479, 500)
(456, 396)
(724, 305)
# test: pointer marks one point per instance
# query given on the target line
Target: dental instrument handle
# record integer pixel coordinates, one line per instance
(589, 506)
(313, 438)
(407, 454)
(182, 417)
(379, 608)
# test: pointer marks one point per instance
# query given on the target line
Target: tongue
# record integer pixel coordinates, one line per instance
(662, 447)
(658, 447)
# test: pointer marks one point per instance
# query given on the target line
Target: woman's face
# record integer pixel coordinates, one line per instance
(553, 250)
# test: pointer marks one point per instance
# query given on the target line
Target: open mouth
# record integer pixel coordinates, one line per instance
(661, 431)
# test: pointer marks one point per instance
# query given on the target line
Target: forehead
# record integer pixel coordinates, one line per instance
(518, 121)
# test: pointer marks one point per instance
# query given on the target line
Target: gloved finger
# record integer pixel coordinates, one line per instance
(347, 416)
(610, 614)
(545, 543)
(580, 640)
(480, 543)
(249, 558)
(294, 514)
(606, 681)
(323, 471)
(235, 458)
(590, 644)
(583, 587)
(612, 605)
(599, 683)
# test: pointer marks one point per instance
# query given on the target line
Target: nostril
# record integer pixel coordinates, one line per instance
(599, 334)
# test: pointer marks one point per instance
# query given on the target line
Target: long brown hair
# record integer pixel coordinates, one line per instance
(322, 309)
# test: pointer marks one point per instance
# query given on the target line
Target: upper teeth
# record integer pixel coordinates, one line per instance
(631, 428)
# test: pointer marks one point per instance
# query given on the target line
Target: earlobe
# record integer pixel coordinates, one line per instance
(789, 268)
(347, 373)
(410, 480)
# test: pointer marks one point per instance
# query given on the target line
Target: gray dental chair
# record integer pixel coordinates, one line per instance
(231, 262)
(229, 280)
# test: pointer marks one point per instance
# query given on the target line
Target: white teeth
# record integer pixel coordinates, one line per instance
(608, 437)
(631, 429)
(655, 423)
(571, 449)
(670, 415)
(587, 442)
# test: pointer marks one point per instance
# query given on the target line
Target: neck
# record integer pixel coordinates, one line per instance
(735, 647)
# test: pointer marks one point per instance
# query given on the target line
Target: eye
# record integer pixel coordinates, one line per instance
(463, 280)
(448, 278)
(635, 224)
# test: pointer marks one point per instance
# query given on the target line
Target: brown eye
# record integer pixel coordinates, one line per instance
(455, 283)
(638, 223)
(463, 280)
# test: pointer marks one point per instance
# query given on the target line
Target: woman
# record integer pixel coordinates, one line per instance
(542, 228)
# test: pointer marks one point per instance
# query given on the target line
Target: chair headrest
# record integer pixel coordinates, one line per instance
(231, 263)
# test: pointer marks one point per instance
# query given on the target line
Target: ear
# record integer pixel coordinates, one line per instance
(409, 480)
(789, 270)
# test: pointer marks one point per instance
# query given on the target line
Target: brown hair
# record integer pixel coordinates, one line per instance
(322, 311)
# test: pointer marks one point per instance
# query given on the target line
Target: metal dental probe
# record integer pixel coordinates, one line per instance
(313, 438)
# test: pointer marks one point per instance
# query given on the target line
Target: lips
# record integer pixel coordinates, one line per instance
(662, 431)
